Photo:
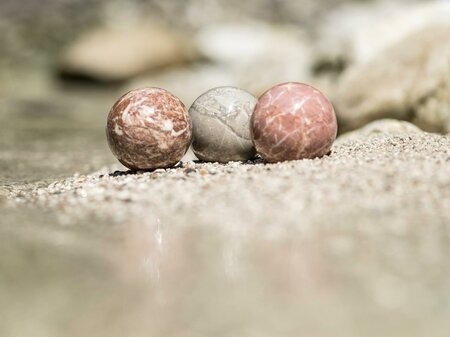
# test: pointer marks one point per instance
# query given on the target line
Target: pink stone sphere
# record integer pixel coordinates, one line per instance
(293, 121)
(149, 128)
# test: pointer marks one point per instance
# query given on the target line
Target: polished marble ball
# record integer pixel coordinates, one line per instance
(149, 128)
(293, 121)
(220, 119)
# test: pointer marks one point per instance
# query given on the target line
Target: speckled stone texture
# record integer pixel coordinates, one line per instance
(220, 120)
(149, 128)
(293, 121)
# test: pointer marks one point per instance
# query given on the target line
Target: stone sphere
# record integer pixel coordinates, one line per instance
(220, 119)
(149, 128)
(293, 121)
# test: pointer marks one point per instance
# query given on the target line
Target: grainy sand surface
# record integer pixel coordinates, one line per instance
(370, 180)
(352, 244)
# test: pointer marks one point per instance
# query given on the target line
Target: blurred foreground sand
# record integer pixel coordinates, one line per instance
(352, 244)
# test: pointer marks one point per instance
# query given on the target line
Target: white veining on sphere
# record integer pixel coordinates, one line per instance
(174, 133)
(293, 121)
(118, 129)
(147, 111)
(279, 142)
(127, 114)
(167, 125)
(149, 129)
(299, 105)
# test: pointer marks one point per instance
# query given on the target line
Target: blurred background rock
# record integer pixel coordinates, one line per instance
(63, 63)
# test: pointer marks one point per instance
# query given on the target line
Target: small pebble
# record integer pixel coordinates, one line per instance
(149, 128)
(220, 120)
(190, 170)
(293, 121)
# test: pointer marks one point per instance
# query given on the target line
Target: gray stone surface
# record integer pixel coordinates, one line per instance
(220, 119)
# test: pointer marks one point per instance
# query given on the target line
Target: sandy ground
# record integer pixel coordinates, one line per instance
(352, 244)
(367, 181)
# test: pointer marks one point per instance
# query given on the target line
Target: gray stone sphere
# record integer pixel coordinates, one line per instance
(220, 120)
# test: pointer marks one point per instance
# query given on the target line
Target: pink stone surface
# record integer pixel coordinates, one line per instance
(149, 128)
(293, 121)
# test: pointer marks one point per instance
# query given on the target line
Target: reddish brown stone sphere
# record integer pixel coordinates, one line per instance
(293, 121)
(149, 128)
